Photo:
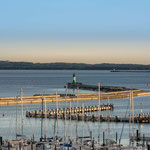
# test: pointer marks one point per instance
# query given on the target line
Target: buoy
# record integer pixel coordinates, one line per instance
(3, 115)
(147, 84)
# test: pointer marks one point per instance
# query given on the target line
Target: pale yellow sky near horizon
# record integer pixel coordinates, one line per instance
(77, 52)
(75, 31)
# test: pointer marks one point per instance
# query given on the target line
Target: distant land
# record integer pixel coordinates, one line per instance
(74, 66)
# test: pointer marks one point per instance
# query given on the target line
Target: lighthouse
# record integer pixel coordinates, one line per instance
(74, 79)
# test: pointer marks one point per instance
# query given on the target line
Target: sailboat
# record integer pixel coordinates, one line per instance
(20, 140)
(22, 116)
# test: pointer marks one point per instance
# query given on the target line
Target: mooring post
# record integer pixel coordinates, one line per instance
(8, 146)
(103, 138)
(31, 145)
(93, 144)
(20, 146)
(137, 134)
(1, 143)
(148, 147)
(91, 134)
(116, 137)
(143, 140)
(43, 146)
(33, 138)
(137, 137)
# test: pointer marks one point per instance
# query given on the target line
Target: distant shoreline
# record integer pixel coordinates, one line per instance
(140, 71)
(8, 65)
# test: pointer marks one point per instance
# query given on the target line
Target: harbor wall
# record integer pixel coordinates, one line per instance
(76, 97)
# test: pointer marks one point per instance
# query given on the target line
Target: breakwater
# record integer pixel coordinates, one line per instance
(74, 97)
(82, 86)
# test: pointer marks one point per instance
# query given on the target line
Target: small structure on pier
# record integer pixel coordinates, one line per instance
(74, 79)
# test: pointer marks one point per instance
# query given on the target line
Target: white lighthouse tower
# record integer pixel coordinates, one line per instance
(74, 79)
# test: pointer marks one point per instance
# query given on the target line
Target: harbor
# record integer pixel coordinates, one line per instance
(74, 119)
(75, 75)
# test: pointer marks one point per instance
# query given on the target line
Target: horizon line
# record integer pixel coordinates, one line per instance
(72, 62)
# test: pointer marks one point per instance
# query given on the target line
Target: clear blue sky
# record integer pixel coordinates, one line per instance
(71, 28)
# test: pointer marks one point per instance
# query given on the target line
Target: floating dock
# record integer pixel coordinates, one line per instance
(67, 111)
(74, 97)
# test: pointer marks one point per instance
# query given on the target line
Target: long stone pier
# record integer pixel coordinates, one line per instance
(74, 97)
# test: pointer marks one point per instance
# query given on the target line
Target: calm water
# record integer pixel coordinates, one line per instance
(41, 81)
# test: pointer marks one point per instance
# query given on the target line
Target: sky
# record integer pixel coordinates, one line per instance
(76, 31)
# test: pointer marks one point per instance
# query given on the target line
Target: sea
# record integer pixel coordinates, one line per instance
(49, 81)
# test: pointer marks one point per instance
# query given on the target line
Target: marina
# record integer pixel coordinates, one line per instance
(75, 75)
(74, 121)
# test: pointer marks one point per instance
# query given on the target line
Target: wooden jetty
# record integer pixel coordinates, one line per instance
(138, 118)
(74, 97)
(67, 111)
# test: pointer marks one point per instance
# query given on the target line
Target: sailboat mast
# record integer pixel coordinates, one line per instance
(82, 120)
(22, 119)
(141, 108)
(77, 115)
(130, 118)
(16, 115)
(45, 120)
(133, 116)
(109, 121)
(57, 110)
(70, 121)
(99, 112)
(77, 96)
(42, 120)
(65, 113)
(54, 136)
